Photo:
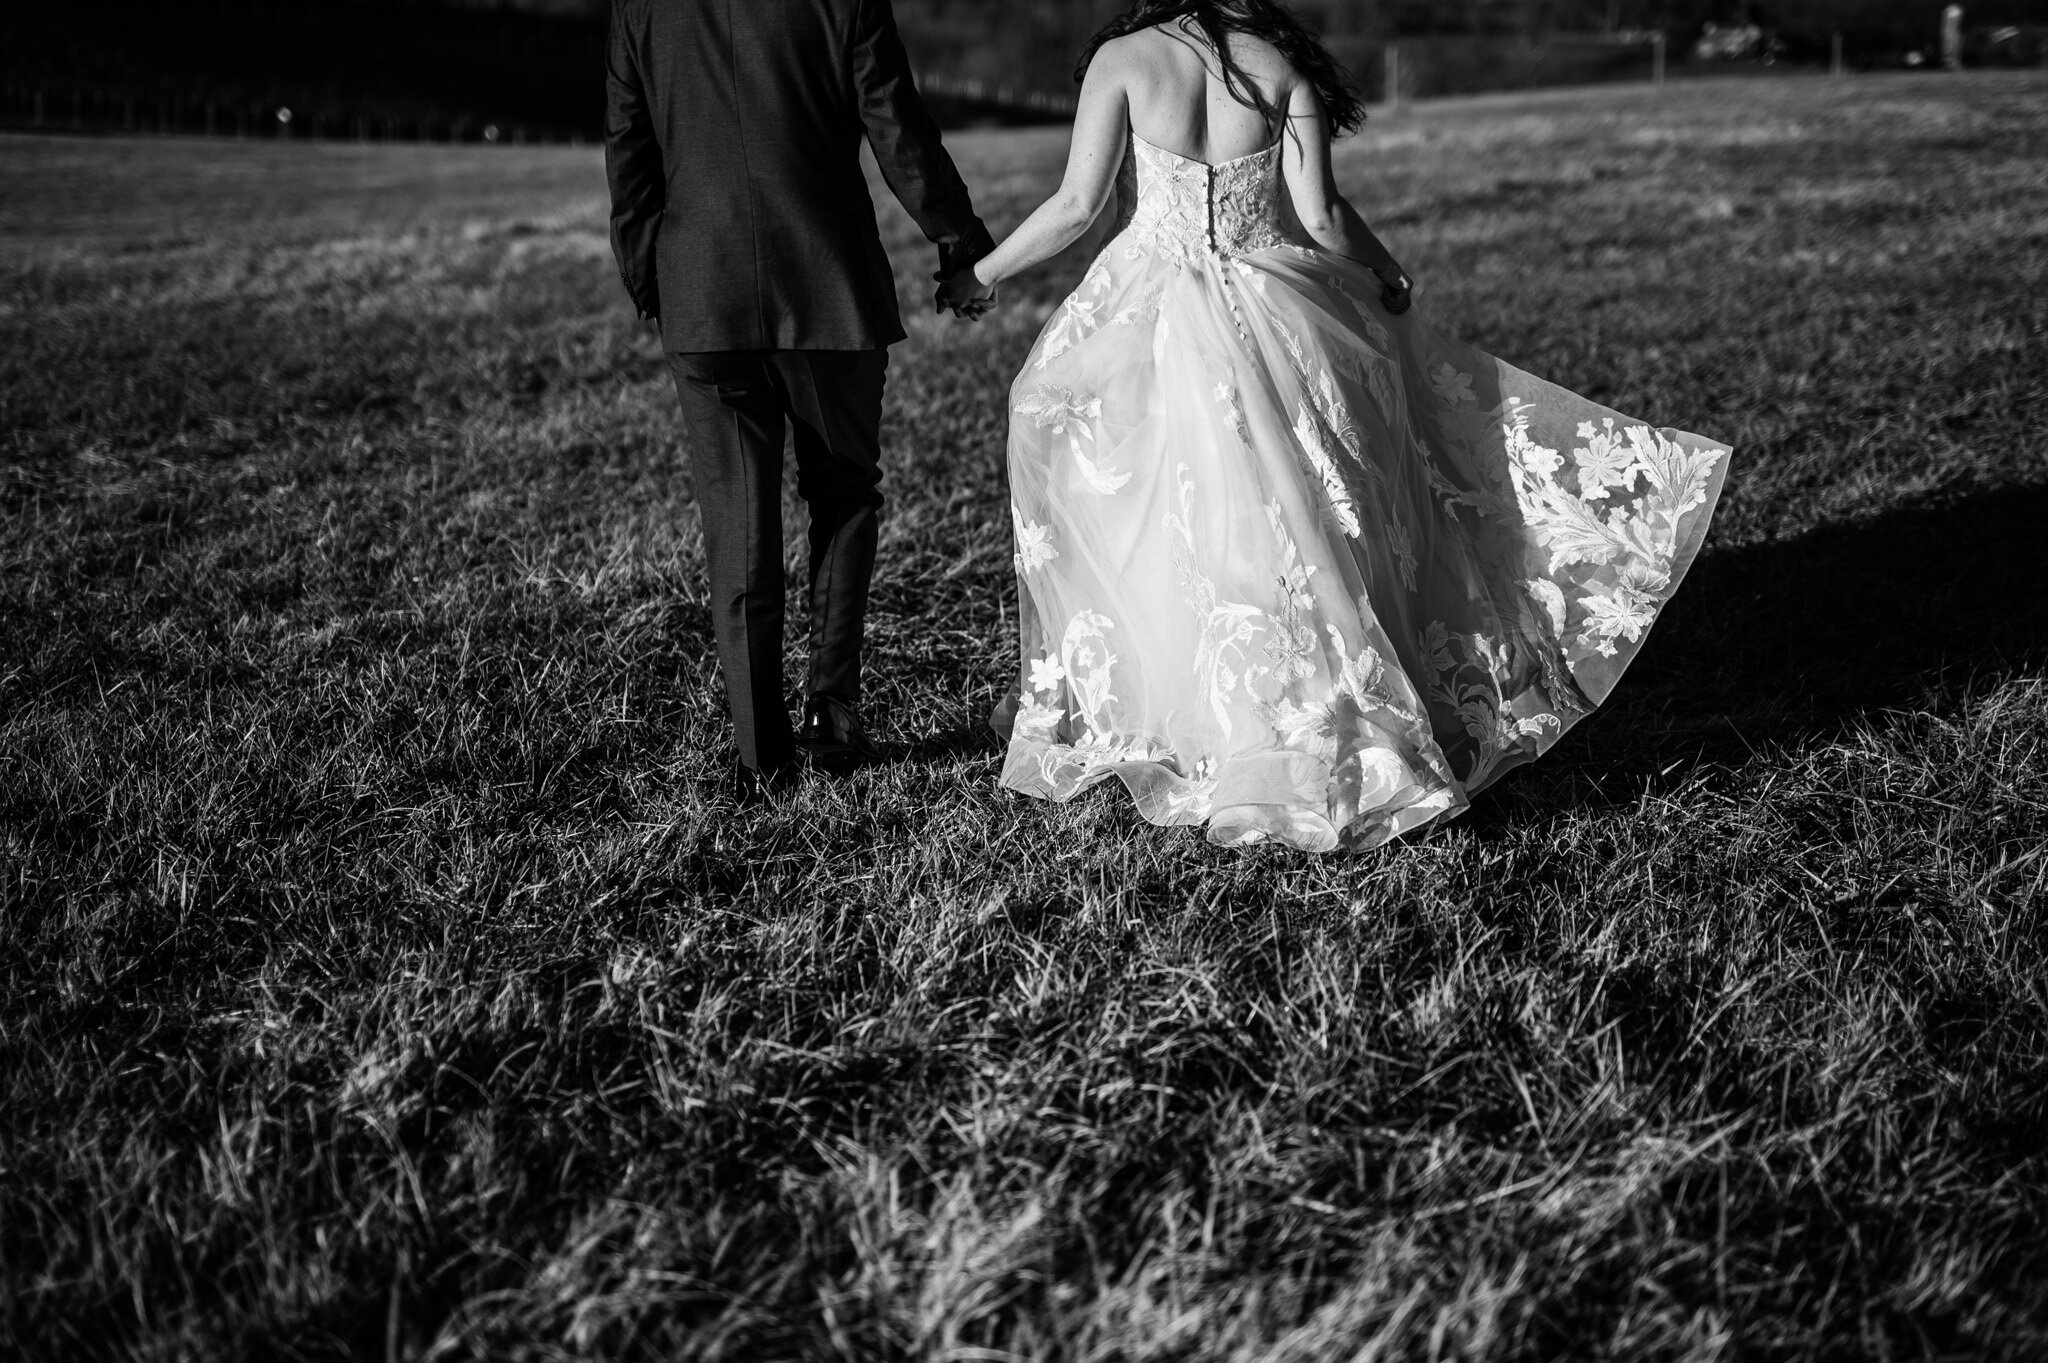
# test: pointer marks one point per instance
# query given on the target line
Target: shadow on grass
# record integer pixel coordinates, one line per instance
(1784, 643)
(971, 738)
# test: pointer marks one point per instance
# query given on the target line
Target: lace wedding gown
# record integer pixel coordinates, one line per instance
(1297, 569)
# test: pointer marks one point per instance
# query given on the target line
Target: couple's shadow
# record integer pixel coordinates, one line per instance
(1780, 644)
(1777, 644)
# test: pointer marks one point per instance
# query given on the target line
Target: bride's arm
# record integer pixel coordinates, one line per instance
(1325, 214)
(1092, 160)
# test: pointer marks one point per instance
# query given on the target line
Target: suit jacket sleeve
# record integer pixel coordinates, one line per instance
(633, 166)
(906, 140)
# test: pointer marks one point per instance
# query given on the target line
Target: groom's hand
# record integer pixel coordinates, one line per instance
(960, 255)
(965, 294)
(972, 310)
(959, 289)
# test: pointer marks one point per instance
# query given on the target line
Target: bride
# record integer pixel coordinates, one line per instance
(1291, 563)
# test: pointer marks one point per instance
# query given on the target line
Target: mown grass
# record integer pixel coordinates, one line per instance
(387, 975)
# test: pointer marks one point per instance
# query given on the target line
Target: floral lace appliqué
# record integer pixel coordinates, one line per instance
(1034, 543)
(1056, 409)
(1228, 627)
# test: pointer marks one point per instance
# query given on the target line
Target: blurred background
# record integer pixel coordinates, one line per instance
(530, 70)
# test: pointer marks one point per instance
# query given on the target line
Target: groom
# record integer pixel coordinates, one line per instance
(742, 225)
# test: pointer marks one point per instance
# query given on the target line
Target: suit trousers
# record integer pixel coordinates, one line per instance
(737, 406)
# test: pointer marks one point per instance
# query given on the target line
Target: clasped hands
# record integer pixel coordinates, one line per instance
(961, 290)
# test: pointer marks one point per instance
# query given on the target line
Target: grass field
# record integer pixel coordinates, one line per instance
(386, 974)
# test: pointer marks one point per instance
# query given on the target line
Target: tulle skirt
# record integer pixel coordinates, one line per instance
(1293, 568)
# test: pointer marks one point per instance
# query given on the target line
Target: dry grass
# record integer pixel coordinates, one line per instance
(385, 975)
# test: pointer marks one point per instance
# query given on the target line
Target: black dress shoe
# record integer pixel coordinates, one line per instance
(832, 737)
(751, 788)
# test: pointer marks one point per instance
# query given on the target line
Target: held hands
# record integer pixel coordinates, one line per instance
(964, 293)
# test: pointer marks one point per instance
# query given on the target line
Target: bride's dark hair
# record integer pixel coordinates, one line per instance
(1273, 22)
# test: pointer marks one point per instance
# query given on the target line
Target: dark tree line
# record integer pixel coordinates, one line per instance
(451, 68)
(375, 68)
(1874, 21)
(1897, 19)
(1037, 35)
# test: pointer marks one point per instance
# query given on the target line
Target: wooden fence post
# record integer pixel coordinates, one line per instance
(1393, 76)
(1657, 57)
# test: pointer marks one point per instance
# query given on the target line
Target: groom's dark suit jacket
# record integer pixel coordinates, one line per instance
(740, 216)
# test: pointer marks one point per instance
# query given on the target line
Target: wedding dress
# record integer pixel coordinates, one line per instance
(1298, 569)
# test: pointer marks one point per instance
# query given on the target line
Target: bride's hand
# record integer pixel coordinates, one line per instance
(1397, 290)
(966, 295)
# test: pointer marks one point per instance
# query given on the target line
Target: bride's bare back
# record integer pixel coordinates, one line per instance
(1165, 84)
(1179, 100)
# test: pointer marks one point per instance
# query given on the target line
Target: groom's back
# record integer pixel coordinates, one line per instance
(768, 237)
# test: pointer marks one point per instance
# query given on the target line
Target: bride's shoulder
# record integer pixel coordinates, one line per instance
(1260, 57)
(1138, 46)
(1126, 61)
